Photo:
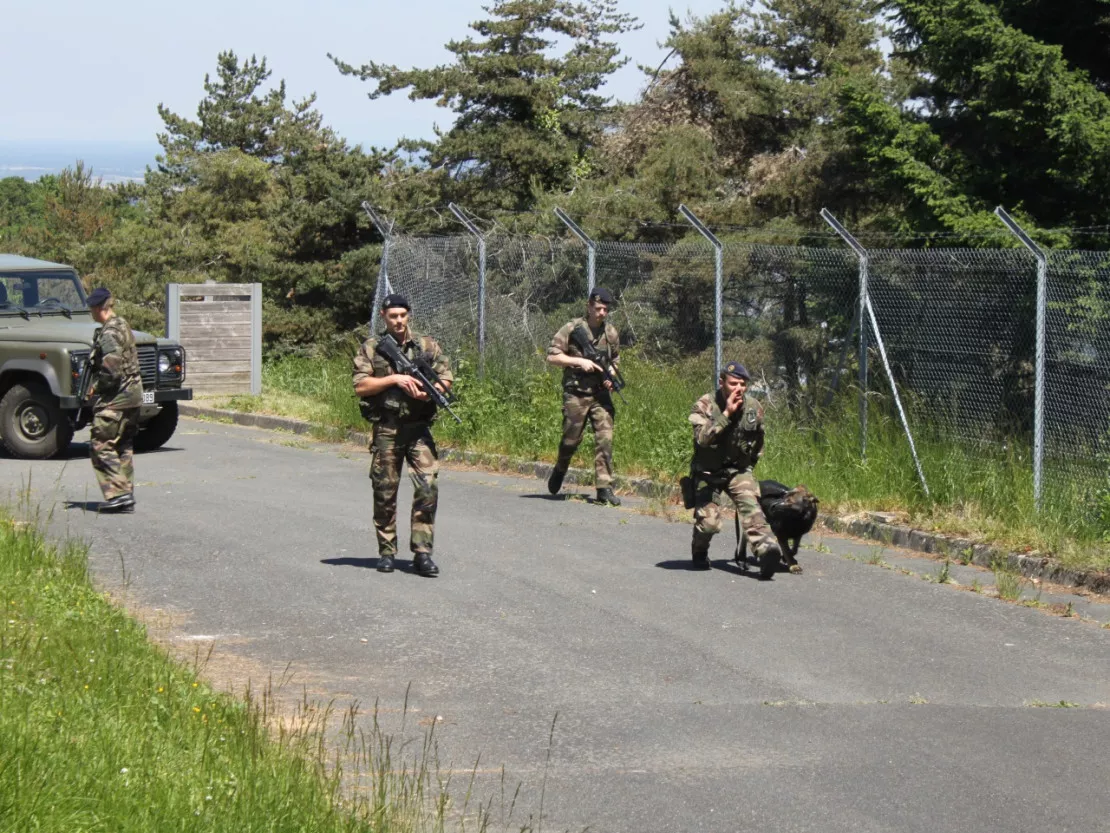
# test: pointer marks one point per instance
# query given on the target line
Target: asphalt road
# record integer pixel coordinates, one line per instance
(848, 698)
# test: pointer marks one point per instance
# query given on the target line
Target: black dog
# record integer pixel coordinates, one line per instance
(791, 513)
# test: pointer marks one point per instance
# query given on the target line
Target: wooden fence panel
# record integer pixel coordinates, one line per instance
(220, 327)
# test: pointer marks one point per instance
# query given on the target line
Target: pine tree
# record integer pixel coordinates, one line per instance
(996, 116)
(526, 118)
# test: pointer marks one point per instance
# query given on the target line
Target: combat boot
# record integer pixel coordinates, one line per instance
(424, 564)
(605, 496)
(385, 563)
(700, 556)
(119, 504)
(555, 481)
(769, 561)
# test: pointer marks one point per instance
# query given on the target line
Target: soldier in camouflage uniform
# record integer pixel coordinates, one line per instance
(728, 439)
(402, 416)
(586, 396)
(118, 389)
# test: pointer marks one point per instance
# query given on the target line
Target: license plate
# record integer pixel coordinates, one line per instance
(148, 397)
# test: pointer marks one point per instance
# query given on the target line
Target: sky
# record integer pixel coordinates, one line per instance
(80, 71)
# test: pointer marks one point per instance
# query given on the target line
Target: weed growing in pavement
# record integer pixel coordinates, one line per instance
(875, 555)
(944, 575)
(1007, 582)
(1060, 704)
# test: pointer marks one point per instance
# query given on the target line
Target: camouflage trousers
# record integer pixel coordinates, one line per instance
(577, 409)
(743, 489)
(111, 448)
(390, 447)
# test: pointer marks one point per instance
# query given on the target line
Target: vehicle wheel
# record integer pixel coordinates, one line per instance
(156, 431)
(32, 426)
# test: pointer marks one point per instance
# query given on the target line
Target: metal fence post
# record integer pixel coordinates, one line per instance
(867, 310)
(473, 229)
(591, 248)
(1038, 384)
(718, 286)
(382, 288)
(861, 316)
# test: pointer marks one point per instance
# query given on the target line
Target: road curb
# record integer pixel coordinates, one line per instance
(877, 526)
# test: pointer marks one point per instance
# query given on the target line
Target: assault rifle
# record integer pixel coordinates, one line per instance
(84, 382)
(609, 372)
(419, 369)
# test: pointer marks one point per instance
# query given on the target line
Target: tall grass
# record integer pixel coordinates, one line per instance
(982, 490)
(100, 730)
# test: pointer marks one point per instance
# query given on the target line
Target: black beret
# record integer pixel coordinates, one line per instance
(736, 369)
(98, 296)
(396, 300)
(600, 293)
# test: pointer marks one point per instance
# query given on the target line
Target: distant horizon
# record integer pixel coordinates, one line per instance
(125, 160)
(112, 161)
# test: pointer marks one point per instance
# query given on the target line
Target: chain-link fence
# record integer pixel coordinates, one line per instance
(957, 326)
(1077, 365)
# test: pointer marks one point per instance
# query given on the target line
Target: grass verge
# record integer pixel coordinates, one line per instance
(981, 492)
(100, 730)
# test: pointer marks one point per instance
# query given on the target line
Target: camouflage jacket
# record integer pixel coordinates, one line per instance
(393, 404)
(721, 443)
(115, 360)
(606, 340)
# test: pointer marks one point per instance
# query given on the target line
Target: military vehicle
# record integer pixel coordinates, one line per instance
(46, 336)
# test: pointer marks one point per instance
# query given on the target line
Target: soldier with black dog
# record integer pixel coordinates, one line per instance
(728, 439)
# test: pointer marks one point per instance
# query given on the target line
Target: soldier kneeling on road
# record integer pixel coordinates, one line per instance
(728, 439)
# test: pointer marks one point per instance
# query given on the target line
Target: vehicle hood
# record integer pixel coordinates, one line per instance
(57, 329)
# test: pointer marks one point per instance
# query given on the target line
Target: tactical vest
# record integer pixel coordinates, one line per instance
(123, 387)
(576, 381)
(393, 404)
(734, 448)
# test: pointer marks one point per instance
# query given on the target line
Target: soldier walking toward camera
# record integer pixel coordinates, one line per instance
(587, 395)
(728, 439)
(402, 415)
(118, 390)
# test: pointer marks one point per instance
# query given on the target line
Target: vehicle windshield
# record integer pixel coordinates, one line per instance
(41, 292)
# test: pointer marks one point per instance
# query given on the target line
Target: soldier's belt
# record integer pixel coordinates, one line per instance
(393, 422)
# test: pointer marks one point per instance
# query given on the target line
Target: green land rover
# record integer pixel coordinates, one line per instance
(46, 335)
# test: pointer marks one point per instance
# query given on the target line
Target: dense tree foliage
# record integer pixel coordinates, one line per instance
(993, 116)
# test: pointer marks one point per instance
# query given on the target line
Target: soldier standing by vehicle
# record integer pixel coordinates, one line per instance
(587, 394)
(402, 415)
(728, 439)
(118, 388)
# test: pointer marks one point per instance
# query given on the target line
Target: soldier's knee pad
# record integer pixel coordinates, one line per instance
(767, 545)
(707, 521)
